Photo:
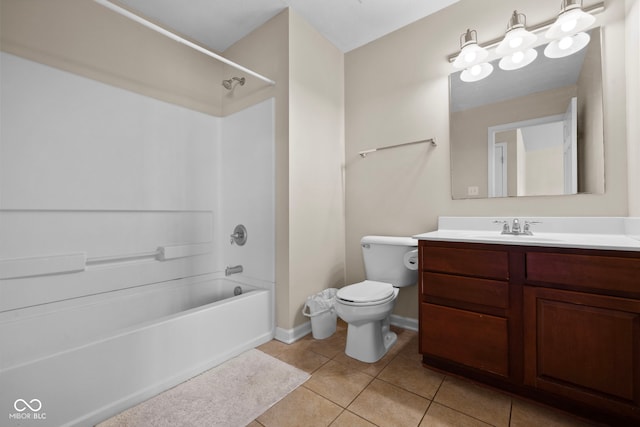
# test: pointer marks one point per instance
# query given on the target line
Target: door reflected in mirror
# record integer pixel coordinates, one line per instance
(518, 151)
(535, 131)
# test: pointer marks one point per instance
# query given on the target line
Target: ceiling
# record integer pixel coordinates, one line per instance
(348, 24)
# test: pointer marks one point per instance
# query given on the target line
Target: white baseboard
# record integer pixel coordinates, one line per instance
(289, 336)
(404, 322)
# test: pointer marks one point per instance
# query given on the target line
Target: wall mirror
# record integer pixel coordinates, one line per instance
(533, 131)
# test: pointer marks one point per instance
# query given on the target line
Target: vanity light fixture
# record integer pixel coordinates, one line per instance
(571, 20)
(517, 38)
(471, 58)
(515, 48)
(470, 53)
(567, 45)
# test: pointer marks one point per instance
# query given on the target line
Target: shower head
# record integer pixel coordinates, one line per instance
(229, 84)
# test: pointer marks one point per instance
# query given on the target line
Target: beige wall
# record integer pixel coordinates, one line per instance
(590, 130)
(633, 103)
(316, 160)
(87, 39)
(397, 91)
(310, 217)
(265, 51)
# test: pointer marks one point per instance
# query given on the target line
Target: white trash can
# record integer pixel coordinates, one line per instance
(321, 309)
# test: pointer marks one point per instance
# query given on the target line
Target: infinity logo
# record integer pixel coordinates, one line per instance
(21, 405)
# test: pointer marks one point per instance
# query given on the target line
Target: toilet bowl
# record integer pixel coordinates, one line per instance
(390, 263)
(368, 335)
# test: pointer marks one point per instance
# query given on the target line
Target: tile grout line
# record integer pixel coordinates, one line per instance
(459, 411)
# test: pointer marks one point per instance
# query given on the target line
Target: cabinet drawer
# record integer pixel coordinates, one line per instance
(472, 339)
(492, 293)
(468, 262)
(585, 271)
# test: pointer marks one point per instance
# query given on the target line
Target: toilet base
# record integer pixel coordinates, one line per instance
(369, 342)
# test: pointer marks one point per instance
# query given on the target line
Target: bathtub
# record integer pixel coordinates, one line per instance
(78, 362)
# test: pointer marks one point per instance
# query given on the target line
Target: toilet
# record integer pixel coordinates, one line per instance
(390, 263)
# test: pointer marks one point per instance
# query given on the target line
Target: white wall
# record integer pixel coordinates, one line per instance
(90, 168)
(73, 143)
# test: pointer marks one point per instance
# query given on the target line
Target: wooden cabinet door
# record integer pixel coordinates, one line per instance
(583, 346)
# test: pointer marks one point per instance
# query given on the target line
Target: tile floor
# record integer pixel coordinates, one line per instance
(396, 391)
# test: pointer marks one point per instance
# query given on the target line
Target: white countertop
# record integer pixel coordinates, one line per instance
(610, 233)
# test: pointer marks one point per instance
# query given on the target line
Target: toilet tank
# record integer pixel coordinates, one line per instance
(384, 259)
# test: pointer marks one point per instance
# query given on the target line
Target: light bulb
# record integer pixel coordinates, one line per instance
(476, 72)
(515, 42)
(517, 57)
(570, 22)
(515, 39)
(470, 56)
(568, 25)
(565, 43)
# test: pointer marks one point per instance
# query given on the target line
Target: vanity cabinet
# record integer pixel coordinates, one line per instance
(558, 325)
(464, 314)
(582, 327)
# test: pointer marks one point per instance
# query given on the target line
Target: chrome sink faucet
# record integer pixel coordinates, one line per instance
(516, 229)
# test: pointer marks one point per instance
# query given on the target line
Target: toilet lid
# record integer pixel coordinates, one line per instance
(366, 291)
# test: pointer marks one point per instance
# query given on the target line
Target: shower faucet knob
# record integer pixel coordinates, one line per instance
(239, 236)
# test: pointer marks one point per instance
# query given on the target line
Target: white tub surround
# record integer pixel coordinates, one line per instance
(83, 372)
(115, 218)
(609, 233)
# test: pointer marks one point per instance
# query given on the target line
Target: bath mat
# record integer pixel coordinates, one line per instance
(231, 395)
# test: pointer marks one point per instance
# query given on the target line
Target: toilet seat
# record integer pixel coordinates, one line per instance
(368, 292)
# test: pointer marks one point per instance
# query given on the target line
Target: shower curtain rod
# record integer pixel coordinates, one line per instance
(124, 12)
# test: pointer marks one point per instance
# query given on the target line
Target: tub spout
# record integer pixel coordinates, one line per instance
(232, 270)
